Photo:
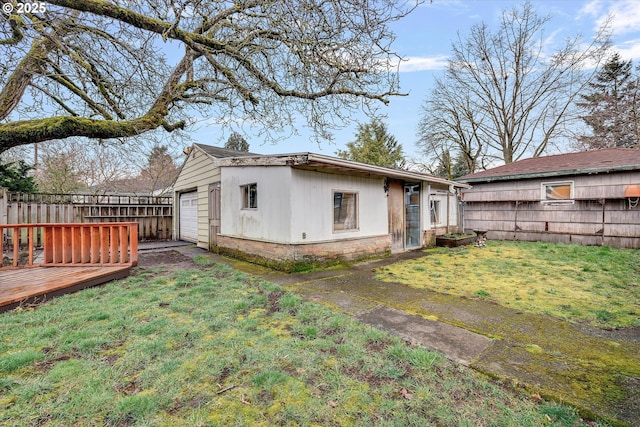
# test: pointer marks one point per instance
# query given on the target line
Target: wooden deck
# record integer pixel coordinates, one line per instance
(35, 285)
(40, 261)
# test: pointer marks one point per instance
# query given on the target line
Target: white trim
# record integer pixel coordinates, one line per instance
(543, 193)
(356, 195)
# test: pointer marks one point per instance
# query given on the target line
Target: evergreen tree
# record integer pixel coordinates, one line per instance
(611, 107)
(161, 169)
(236, 142)
(374, 145)
(14, 176)
(451, 168)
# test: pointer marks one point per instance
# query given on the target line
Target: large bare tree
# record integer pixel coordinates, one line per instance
(505, 94)
(115, 69)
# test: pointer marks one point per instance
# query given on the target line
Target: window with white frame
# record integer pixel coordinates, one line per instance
(557, 192)
(249, 196)
(345, 211)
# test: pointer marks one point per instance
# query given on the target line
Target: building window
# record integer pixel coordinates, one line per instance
(557, 191)
(345, 211)
(435, 212)
(249, 196)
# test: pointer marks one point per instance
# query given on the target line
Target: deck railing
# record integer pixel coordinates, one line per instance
(85, 244)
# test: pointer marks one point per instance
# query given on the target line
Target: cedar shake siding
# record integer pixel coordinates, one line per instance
(568, 198)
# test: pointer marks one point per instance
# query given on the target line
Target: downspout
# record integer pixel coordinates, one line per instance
(461, 213)
(449, 208)
(515, 221)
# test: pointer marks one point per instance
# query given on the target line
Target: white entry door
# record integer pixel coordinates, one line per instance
(189, 216)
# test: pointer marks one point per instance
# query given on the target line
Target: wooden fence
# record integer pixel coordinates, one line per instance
(611, 222)
(96, 244)
(153, 214)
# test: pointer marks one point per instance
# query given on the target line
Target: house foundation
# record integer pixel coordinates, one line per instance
(274, 253)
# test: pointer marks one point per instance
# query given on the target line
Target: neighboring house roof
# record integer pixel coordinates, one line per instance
(220, 153)
(314, 161)
(581, 163)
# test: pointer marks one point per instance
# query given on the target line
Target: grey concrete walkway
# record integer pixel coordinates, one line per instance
(163, 245)
(456, 343)
(356, 293)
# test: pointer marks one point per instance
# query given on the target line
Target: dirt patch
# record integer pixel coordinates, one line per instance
(629, 334)
(168, 261)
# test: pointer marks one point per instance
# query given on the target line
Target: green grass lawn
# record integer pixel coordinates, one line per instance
(217, 347)
(597, 285)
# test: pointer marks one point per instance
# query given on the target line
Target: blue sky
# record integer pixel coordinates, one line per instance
(425, 38)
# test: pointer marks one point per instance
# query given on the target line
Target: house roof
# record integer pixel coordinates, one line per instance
(581, 163)
(312, 161)
(221, 153)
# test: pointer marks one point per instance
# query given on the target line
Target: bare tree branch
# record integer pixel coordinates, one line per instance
(108, 69)
(503, 95)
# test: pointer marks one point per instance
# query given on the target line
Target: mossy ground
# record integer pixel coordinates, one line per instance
(210, 346)
(599, 285)
(583, 366)
(536, 299)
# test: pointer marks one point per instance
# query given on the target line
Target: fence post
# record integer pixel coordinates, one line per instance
(133, 244)
(3, 206)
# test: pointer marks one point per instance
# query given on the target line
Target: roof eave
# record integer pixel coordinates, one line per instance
(380, 170)
(301, 159)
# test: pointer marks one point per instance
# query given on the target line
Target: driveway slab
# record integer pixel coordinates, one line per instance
(456, 343)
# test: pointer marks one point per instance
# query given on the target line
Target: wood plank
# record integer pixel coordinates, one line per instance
(25, 284)
(124, 244)
(16, 244)
(86, 245)
(133, 245)
(113, 248)
(104, 244)
(95, 244)
(48, 245)
(67, 245)
(31, 245)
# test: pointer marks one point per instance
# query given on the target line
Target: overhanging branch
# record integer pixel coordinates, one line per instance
(22, 132)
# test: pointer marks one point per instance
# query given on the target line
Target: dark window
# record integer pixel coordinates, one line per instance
(249, 196)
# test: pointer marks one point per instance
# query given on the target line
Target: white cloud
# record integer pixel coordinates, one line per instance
(422, 63)
(629, 49)
(455, 7)
(626, 15)
(592, 8)
(625, 25)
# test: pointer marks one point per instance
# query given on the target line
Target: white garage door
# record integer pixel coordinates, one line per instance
(189, 216)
